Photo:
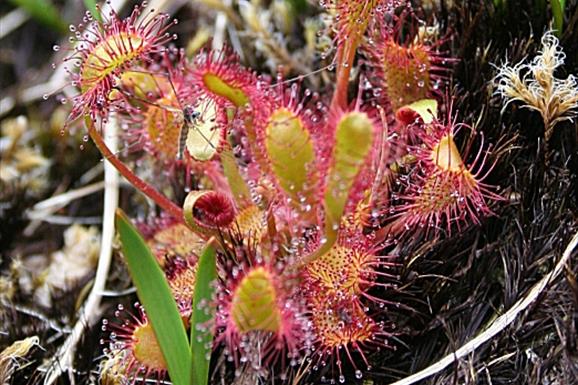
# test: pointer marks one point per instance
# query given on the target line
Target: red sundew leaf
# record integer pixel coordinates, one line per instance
(103, 51)
(160, 306)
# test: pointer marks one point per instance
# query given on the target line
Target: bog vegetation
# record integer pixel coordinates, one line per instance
(333, 192)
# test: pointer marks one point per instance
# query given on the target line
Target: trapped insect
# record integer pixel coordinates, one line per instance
(190, 118)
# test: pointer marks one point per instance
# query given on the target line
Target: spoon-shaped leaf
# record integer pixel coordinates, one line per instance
(353, 141)
(292, 156)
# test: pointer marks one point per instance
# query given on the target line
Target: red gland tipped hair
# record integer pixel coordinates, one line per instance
(103, 50)
(446, 190)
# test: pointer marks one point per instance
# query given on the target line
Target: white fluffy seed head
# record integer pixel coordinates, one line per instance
(535, 85)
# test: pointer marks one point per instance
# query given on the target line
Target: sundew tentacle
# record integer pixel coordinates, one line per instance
(181, 276)
(103, 50)
(338, 287)
(445, 190)
(133, 352)
(289, 139)
(351, 20)
(260, 318)
(344, 331)
(406, 69)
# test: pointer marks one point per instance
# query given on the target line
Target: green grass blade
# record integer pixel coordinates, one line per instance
(91, 6)
(44, 12)
(299, 6)
(558, 7)
(202, 338)
(157, 300)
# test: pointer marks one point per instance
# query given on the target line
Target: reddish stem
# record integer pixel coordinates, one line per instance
(345, 57)
(161, 200)
(358, 13)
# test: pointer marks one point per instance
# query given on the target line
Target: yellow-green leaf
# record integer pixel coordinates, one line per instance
(219, 87)
(254, 304)
(291, 153)
(353, 141)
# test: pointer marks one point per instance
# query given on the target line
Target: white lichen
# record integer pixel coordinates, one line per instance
(535, 85)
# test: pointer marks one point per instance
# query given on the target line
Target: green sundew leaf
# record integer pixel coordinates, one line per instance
(237, 184)
(44, 12)
(201, 334)
(91, 6)
(558, 7)
(254, 303)
(231, 170)
(155, 295)
(218, 86)
(353, 141)
(292, 156)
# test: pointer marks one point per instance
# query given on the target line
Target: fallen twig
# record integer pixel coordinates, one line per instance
(90, 312)
(43, 210)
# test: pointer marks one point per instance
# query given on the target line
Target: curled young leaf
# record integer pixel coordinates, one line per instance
(426, 110)
(207, 211)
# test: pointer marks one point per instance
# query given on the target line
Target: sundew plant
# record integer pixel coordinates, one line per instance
(304, 195)
(313, 212)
